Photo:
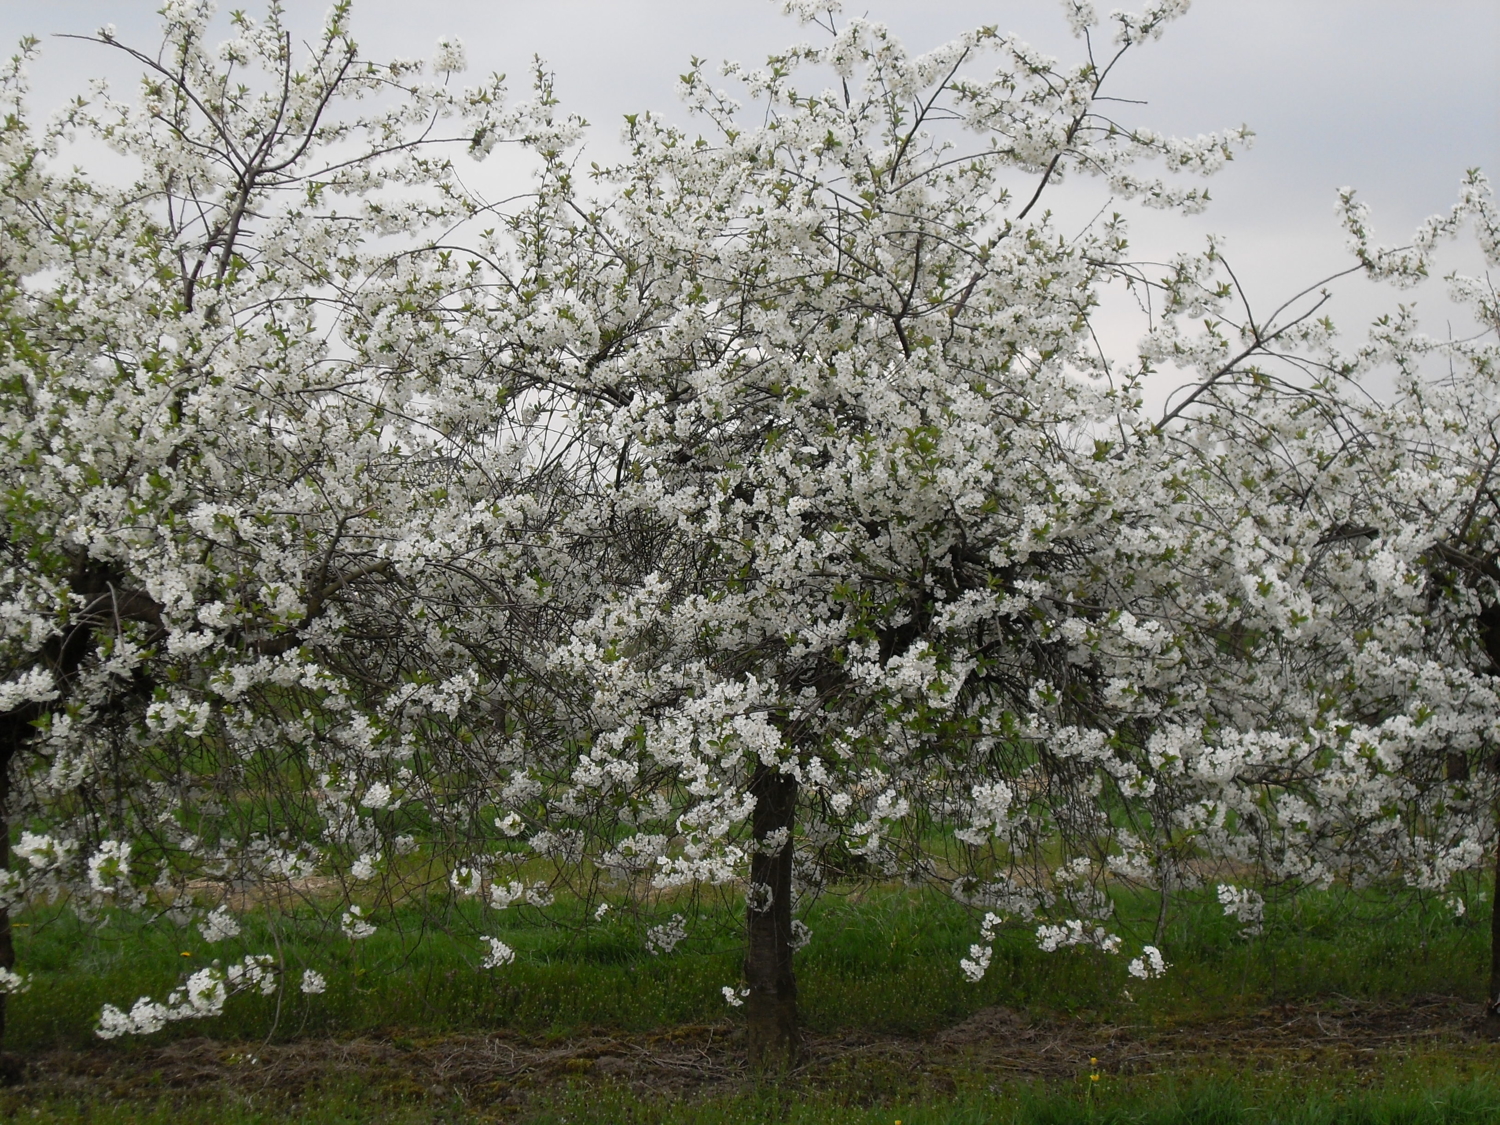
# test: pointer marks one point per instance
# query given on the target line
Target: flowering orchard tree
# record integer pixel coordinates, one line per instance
(930, 597)
(911, 605)
(1385, 509)
(254, 574)
(1329, 553)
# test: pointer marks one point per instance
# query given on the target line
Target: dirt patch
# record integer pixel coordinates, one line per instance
(993, 1046)
(1345, 1034)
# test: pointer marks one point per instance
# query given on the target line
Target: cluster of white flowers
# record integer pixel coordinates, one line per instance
(1246, 905)
(354, 924)
(364, 868)
(109, 867)
(666, 937)
(503, 894)
(201, 996)
(801, 934)
(219, 925)
(1149, 964)
(976, 964)
(1073, 932)
(499, 954)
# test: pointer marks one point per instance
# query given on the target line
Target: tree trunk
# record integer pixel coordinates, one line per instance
(13, 728)
(1492, 1008)
(1489, 632)
(771, 1007)
(64, 654)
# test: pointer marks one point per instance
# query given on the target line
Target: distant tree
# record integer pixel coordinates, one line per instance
(1328, 550)
(1370, 475)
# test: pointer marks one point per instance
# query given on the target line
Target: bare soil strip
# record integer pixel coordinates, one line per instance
(993, 1047)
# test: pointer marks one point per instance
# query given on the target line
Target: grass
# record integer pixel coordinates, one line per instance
(1207, 1104)
(1214, 1103)
(868, 958)
(883, 963)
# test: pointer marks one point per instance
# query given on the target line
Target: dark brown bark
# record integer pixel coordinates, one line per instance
(63, 654)
(772, 1042)
(1489, 631)
(13, 729)
(1492, 1009)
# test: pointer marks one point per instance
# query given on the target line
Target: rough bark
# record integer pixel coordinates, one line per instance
(1489, 631)
(772, 1042)
(13, 728)
(1492, 1009)
(64, 655)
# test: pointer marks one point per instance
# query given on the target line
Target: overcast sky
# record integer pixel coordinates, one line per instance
(1395, 97)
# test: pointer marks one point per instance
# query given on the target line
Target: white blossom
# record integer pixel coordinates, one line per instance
(201, 996)
(499, 954)
(1244, 904)
(109, 867)
(1148, 965)
(218, 925)
(976, 964)
(667, 936)
(354, 925)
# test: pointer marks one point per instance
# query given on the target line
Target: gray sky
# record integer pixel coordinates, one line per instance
(1395, 97)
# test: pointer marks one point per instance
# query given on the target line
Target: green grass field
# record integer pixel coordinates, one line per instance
(1198, 1105)
(879, 985)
